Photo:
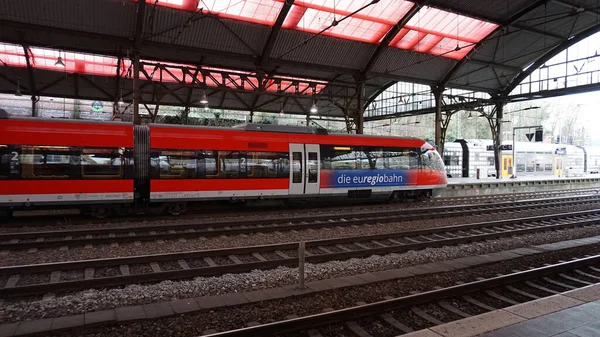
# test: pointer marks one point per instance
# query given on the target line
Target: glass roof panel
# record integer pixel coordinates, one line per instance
(450, 24)
(12, 55)
(438, 32)
(423, 33)
(369, 25)
(258, 11)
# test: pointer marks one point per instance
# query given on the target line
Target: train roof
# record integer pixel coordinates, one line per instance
(280, 129)
(66, 120)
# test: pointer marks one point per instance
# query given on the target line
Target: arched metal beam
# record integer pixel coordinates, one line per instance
(389, 36)
(287, 5)
(546, 57)
(377, 93)
(498, 29)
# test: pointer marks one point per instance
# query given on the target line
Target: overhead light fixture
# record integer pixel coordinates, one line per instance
(59, 61)
(203, 99)
(18, 93)
(313, 108)
(121, 102)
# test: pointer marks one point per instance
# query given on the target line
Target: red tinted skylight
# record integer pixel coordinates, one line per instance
(369, 25)
(439, 32)
(430, 31)
(259, 11)
(43, 58)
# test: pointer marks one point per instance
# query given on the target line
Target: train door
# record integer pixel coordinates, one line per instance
(507, 161)
(305, 167)
(558, 166)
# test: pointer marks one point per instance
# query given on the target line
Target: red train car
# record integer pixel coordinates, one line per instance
(52, 162)
(120, 167)
(272, 161)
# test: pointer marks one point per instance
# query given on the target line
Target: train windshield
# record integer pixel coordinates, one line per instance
(430, 159)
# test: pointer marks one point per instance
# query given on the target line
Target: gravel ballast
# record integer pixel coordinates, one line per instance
(172, 246)
(234, 317)
(93, 300)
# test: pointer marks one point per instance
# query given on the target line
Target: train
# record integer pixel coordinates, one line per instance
(107, 168)
(463, 158)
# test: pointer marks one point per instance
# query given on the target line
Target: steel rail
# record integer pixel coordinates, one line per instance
(366, 310)
(534, 224)
(75, 219)
(14, 241)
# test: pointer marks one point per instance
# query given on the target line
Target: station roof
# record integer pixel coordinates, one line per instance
(250, 53)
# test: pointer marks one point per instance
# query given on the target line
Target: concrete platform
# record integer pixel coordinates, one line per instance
(462, 187)
(575, 313)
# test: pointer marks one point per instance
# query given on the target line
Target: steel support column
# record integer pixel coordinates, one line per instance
(437, 95)
(137, 42)
(136, 88)
(118, 91)
(496, 125)
(359, 119)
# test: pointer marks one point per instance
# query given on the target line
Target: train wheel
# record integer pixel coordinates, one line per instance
(176, 208)
(395, 197)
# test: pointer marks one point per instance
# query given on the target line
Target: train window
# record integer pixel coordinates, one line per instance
(374, 158)
(102, 163)
(530, 168)
(313, 167)
(208, 161)
(268, 165)
(520, 167)
(283, 165)
(260, 165)
(548, 167)
(371, 158)
(45, 162)
(5, 161)
(296, 167)
(229, 164)
(339, 158)
(400, 159)
(451, 160)
(431, 160)
(490, 161)
(177, 164)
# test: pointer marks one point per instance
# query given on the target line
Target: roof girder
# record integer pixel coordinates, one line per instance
(498, 29)
(495, 65)
(389, 36)
(268, 48)
(547, 56)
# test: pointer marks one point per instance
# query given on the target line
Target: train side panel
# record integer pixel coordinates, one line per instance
(47, 162)
(214, 156)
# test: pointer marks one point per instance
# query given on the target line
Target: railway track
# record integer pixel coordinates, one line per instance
(520, 195)
(77, 275)
(69, 218)
(71, 238)
(397, 316)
